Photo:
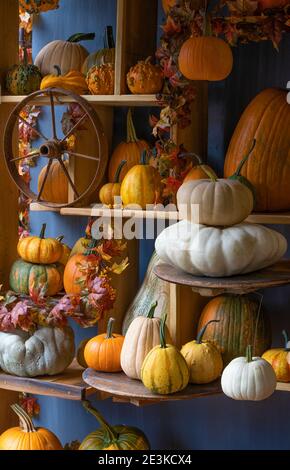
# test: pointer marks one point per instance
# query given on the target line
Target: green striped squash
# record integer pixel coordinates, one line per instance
(237, 315)
(24, 276)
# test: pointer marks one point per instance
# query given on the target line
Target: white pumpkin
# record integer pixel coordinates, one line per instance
(248, 378)
(143, 335)
(48, 351)
(218, 202)
(218, 252)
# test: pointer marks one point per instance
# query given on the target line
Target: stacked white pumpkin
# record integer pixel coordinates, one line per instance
(213, 240)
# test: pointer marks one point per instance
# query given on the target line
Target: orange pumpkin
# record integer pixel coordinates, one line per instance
(26, 436)
(167, 4)
(66, 251)
(199, 171)
(129, 151)
(264, 4)
(73, 277)
(109, 191)
(205, 58)
(279, 358)
(267, 120)
(145, 78)
(56, 185)
(101, 79)
(103, 352)
(142, 185)
(40, 250)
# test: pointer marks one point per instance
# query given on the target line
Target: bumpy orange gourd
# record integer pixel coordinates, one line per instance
(129, 151)
(102, 56)
(199, 171)
(267, 120)
(101, 79)
(26, 436)
(56, 186)
(73, 81)
(103, 352)
(205, 58)
(145, 78)
(110, 191)
(279, 358)
(142, 185)
(40, 250)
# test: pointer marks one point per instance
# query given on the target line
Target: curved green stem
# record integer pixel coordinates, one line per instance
(110, 430)
(203, 330)
(58, 70)
(249, 353)
(131, 133)
(285, 335)
(109, 42)
(151, 312)
(42, 232)
(244, 160)
(81, 37)
(25, 420)
(162, 332)
(118, 172)
(60, 239)
(110, 328)
(194, 155)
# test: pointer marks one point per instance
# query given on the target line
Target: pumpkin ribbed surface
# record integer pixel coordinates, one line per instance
(73, 274)
(267, 119)
(25, 276)
(237, 317)
(129, 438)
(141, 186)
(129, 151)
(280, 361)
(56, 186)
(204, 361)
(40, 250)
(67, 55)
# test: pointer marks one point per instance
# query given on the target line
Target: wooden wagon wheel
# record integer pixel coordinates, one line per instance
(54, 148)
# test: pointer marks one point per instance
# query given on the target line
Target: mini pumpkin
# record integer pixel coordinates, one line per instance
(108, 437)
(56, 185)
(101, 79)
(205, 58)
(103, 352)
(102, 56)
(145, 78)
(164, 369)
(142, 185)
(203, 359)
(74, 81)
(199, 171)
(248, 378)
(279, 358)
(23, 79)
(110, 191)
(40, 250)
(25, 277)
(26, 436)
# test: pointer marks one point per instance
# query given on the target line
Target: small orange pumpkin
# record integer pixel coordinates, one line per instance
(199, 171)
(103, 352)
(66, 251)
(205, 58)
(40, 250)
(279, 358)
(109, 191)
(101, 79)
(145, 78)
(74, 279)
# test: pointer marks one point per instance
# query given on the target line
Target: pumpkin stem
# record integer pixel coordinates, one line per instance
(118, 172)
(25, 421)
(203, 330)
(25, 56)
(58, 70)
(42, 232)
(192, 155)
(210, 174)
(110, 328)
(249, 353)
(131, 132)
(143, 160)
(207, 30)
(285, 335)
(152, 311)
(110, 430)
(81, 37)
(60, 239)
(162, 332)
(241, 164)
(109, 42)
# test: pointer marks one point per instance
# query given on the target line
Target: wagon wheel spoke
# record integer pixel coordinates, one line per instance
(69, 178)
(32, 128)
(75, 127)
(44, 180)
(52, 115)
(28, 156)
(81, 155)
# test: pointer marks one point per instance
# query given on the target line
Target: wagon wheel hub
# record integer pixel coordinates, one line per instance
(52, 149)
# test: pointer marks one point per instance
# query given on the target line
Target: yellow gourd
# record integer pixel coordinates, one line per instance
(109, 191)
(73, 81)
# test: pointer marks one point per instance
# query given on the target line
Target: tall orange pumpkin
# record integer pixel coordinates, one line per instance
(56, 185)
(129, 151)
(266, 119)
(26, 436)
(205, 58)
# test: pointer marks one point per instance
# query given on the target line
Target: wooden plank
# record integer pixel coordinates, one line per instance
(134, 17)
(120, 387)
(9, 14)
(100, 100)
(283, 387)
(68, 385)
(98, 210)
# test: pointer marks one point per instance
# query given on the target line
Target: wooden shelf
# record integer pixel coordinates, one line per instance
(283, 387)
(274, 276)
(122, 389)
(68, 385)
(101, 100)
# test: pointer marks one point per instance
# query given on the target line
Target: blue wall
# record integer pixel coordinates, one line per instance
(206, 423)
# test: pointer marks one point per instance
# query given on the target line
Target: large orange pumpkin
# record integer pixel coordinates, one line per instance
(56, 185)
(238, 316)
(205, 58)
(129, 151)
(26, 436)
(103, 352)
(266, 119)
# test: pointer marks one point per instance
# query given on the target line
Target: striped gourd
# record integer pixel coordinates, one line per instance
(25, 276)
(237, 325)
(113, 437)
